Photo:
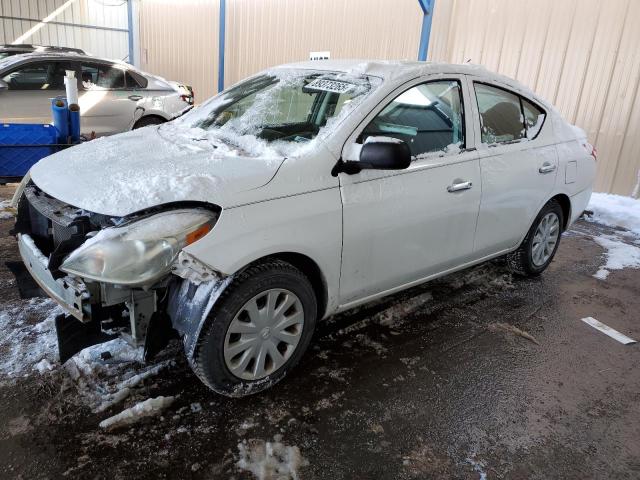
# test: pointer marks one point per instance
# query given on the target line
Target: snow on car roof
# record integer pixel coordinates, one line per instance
(388, 68)
(398, 70)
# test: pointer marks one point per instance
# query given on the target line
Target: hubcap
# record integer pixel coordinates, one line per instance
(545, 239)
(264, 334)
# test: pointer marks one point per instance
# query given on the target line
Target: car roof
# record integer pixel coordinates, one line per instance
(404, 70)
(27, 47)
(66, 56)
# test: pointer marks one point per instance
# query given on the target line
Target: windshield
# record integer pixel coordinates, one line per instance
(281, 106)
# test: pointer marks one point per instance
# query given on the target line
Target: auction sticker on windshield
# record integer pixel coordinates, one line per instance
(325, 85)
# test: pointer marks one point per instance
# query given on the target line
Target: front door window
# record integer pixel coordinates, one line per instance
(428, 117)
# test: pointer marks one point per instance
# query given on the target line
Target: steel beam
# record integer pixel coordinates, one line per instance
(65, 24)
(221, 38)
(131, 27)
(427, 16)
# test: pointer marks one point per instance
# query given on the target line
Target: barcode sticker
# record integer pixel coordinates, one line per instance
(335, 86)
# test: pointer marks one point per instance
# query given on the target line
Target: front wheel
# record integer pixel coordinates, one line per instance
(146, 121)
(257, 331)
(541, 243)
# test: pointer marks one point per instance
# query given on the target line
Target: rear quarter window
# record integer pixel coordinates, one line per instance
(135, 80)
(534, 118)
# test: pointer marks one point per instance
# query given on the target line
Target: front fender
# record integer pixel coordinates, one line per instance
(309, 224)
(189, 305)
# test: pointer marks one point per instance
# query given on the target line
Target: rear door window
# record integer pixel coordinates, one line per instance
(428, 117)
(102, 77)
(501, 118)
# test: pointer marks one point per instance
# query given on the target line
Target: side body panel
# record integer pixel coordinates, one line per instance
(515, 185)
(401, 226)
(106, 112)
(577, 171)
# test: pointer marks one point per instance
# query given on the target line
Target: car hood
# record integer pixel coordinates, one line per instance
(126, 173)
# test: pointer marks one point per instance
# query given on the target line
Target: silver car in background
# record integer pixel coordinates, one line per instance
(114, 97)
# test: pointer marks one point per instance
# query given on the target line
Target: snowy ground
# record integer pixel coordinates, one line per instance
(623, 246)
(440, 381)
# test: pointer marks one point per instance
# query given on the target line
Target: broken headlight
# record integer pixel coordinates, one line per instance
(140, 252)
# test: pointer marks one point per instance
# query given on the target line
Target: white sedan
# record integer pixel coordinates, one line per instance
(301, 192)
(113, 96)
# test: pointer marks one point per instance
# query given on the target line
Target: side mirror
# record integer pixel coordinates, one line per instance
(378, 153)
(3, 85)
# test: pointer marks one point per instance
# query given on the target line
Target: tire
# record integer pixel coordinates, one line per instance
(146, 121)
(527, 260)
(263, 284)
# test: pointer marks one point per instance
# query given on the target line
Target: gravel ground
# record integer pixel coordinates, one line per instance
(432, 383)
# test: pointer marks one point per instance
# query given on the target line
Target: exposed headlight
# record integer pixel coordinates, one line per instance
(141, 252)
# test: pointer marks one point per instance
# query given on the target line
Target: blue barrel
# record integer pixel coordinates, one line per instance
(74, 123)
(60, 114)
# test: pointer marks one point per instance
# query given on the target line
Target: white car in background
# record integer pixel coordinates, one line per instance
(114, 97)
(304, 191)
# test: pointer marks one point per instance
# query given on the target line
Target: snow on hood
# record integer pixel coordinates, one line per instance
(126, 173)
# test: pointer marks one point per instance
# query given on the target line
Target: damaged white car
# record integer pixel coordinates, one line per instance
(301, 192)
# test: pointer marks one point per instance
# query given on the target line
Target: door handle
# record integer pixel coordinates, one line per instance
(547, 168)
(457, 187)
(135, 98)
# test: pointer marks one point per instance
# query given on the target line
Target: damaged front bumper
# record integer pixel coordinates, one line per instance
(71, 294)
(97, 312)
(90, 319)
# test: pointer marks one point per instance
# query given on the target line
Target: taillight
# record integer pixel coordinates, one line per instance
(187, 98)
(593, 151)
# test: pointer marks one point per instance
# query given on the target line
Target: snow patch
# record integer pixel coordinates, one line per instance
(29, 338)
(619, 255)
(616, 211)
(148, 408)
(6, 211)
(270, 460)
(479, 467)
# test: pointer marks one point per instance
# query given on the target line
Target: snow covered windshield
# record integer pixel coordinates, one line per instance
(281, 105)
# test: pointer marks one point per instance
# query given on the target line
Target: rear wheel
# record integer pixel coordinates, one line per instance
(541, 243)
(257, 331)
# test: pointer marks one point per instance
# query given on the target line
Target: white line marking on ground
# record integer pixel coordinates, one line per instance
(608, 331)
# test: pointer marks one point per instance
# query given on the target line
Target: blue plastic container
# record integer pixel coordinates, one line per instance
(74, 123)
(22, 145)
(60, 114)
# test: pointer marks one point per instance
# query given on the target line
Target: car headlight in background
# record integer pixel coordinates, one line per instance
(140, 252)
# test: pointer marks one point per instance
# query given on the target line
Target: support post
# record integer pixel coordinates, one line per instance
(427, 17)
(131, 28)
(221, 38)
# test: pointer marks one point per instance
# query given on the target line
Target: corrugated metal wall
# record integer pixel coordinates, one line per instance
(179, 40)
(270, 32)
(97, 26)
(582, 55)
